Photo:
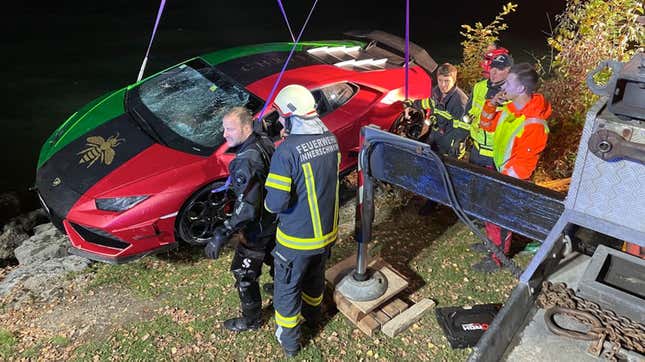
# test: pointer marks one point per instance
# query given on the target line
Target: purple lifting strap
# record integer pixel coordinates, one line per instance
(154, 31)
(284, 15)
(223, 187)
(407, 44)
(295, 44)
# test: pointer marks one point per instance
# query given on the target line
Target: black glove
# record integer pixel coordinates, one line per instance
(219, 239)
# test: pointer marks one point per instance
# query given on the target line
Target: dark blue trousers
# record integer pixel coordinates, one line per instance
(298, 292)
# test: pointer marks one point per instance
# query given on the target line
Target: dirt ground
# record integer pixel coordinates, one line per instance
(90, 315)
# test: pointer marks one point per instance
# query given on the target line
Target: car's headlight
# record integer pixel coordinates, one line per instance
(119, 203)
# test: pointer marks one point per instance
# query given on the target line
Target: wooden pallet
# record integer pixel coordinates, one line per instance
(389, 314)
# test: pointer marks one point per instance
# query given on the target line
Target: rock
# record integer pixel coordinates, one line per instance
(18, 230)
(43, 262)
(41, 282)
(44, 285)
(9, 205)
(32, 219)
(48, 243)
(39, 229)
(12, 237)
(75, 263)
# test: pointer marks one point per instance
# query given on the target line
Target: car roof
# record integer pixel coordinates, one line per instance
(248, 64)
(312, 65)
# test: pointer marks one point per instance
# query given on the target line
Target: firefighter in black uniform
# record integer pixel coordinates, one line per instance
(302, 188)
(248, 172)
(445, 108)
(444, 117)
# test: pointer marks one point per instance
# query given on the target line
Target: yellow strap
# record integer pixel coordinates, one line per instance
(314, 302)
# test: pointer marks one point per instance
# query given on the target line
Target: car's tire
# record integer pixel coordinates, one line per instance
(202, 213)
(410, 128)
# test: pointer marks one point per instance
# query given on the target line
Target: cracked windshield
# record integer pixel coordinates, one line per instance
(191, 104)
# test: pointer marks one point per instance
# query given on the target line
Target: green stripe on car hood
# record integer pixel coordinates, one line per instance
(84, 120)
(111, 104)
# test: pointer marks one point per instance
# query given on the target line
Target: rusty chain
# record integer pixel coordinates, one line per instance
(603, 324)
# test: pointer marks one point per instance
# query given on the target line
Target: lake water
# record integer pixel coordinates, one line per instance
(60, 55)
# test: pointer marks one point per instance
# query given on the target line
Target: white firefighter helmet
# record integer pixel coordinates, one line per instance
(295, 100)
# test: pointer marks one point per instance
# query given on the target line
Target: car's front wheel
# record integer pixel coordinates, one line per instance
(203, 212)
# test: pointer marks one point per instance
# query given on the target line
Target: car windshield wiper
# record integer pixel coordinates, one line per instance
(141, 121)
(146, 127)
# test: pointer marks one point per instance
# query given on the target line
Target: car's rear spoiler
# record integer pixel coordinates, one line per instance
(393, 43)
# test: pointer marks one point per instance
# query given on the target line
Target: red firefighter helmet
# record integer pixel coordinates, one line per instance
(488, 58)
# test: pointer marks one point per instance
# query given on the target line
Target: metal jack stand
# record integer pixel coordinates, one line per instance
(363, 284)
(365, 294)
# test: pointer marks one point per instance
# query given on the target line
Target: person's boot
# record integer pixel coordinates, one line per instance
(251, 319)
(313, 322)
(291, 352)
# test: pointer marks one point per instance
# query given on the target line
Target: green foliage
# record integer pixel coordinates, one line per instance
(60, 341)
(478, 38)
(587, 32)
(7, 343)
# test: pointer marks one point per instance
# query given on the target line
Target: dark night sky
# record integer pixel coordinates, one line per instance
(60, 55)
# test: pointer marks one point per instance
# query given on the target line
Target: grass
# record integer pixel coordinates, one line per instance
(191, 296)
(60, 341)
(7, 343)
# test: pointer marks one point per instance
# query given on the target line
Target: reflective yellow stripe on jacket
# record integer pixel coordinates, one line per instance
(337, 195)
(427, 103)
(482, 140)
(508, 128)
(312, 199)
(484, 150)
(278, 182)
(319, 240)
(306, 243)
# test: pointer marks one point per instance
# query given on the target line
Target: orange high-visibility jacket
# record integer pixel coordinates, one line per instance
(520, 135)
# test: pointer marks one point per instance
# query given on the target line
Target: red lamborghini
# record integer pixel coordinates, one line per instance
(131, 173)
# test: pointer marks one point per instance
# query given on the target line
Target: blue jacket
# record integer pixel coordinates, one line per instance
(302, 187)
